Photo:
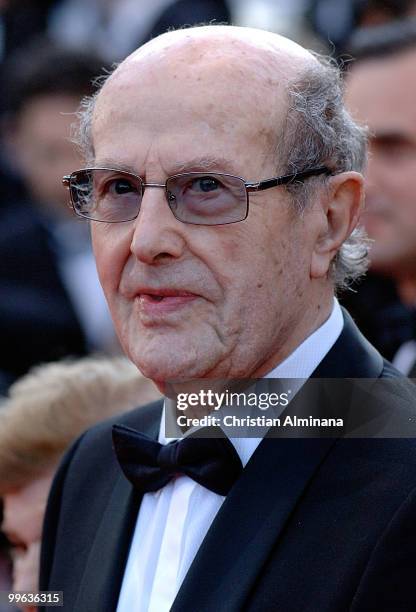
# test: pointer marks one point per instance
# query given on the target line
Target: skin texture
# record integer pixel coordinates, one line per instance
(381, 93)
(256, 288)
(23, 512)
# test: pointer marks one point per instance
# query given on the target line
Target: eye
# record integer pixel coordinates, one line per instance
(205, 184)
(120, 186)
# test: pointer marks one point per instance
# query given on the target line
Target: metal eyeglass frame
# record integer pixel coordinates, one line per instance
(250, 187)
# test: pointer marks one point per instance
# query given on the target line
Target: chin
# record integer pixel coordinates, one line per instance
(170, 364)
(162, 373)
(166, 354)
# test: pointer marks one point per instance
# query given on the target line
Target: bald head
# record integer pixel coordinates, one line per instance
(237, 70)
(243, 48)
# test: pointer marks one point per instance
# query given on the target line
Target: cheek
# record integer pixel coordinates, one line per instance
(235, 263)
(111, 250)
(249, 269)
(287, 261)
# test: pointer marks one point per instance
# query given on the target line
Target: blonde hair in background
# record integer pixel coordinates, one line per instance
(54, 403)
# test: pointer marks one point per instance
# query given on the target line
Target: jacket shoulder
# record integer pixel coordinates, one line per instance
(81, 488)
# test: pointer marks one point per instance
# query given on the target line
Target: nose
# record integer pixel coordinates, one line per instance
(157, 237)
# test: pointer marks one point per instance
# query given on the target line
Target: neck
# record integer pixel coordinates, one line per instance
(314, 319)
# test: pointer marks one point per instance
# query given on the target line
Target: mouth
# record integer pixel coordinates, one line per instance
(157, 295)
(163, 301)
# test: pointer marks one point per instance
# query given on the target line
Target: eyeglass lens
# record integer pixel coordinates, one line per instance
(204, 199)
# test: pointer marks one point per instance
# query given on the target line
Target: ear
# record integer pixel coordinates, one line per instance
(340, 208)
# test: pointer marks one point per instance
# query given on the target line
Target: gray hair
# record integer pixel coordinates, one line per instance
(82, 129)
(317, 131)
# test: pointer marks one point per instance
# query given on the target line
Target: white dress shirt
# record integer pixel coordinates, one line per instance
(173, 521)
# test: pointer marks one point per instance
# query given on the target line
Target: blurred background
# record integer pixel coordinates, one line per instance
(51, 304)
(113, 28)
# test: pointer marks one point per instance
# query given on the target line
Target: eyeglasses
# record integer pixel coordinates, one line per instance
(109, 195)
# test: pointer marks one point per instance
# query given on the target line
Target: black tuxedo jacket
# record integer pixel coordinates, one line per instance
(314, 525)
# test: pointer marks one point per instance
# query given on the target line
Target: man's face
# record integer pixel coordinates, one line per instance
(237, 292)
(382, 94)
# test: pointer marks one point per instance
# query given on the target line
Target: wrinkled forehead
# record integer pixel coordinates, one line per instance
(223, 72)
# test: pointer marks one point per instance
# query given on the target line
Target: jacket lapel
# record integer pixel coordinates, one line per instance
(106, 562)
(352, 356)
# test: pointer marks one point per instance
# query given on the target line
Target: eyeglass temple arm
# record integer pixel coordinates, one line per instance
(288, 178)
(65, 182)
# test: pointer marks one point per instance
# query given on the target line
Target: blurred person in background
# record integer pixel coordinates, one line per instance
(20, 20)
(335, 22)
(111, 27)
(44, 412)
(114, 28)
(5, 570)
(381, 92)
(51, 304)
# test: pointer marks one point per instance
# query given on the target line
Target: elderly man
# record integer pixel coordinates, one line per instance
(381, 92)
(211, 276)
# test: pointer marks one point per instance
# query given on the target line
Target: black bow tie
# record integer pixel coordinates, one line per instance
(149, 465)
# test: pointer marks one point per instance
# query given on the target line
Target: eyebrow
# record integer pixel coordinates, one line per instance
(205, 163)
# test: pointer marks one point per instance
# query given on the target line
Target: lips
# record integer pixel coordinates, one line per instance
(158, 295)
(156, 302)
